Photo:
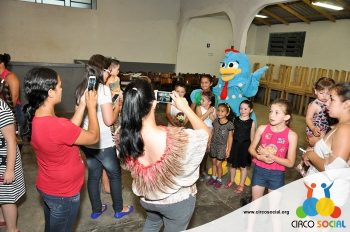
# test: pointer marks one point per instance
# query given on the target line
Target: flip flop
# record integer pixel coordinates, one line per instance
(122, 214)
(239, 189)
(97, 215)
(228, 184)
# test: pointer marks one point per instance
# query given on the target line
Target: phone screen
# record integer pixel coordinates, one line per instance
(115, 97)
(163, 96)
(91, 83)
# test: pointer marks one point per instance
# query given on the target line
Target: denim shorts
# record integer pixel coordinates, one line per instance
(271, 179)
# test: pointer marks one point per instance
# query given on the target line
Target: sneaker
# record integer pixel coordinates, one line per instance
(211, 181)
(207, 177)
(122, 214)
(97, 215)
(217, 184)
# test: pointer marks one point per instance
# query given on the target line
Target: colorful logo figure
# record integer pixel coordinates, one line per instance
(313, 206)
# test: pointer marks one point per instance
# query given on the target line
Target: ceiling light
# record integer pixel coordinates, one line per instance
(261, 16)
(326, 5)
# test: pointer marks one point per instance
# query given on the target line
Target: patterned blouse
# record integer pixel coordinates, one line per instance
(172, 178)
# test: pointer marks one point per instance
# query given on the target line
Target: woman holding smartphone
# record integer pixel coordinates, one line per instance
(164, 161)
(102, 155)
(54, 140)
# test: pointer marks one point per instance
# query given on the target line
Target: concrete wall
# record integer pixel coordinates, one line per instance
(327, 44)
(70, 74)
(238, 15)
(131, 30)
(196, 57)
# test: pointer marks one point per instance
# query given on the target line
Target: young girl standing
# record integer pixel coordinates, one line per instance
(277, 149)
(196, 95)
(206, 112)
(220, 144)
(173, 114)
(316, 115)
(244, 134)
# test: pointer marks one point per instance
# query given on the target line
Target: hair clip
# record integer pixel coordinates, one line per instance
(228, 107)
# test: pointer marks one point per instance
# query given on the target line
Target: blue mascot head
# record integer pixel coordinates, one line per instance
(236, 82)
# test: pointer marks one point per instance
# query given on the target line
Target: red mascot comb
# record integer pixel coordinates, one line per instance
(231, 50)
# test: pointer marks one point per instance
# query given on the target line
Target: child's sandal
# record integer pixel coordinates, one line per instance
(228, 184)
(239, 189)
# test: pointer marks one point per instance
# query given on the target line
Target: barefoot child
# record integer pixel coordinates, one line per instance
(316, 115)
(317, 119)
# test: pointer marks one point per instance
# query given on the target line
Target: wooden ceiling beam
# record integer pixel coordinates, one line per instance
(319, 10)
(344, 4)
(293, 12)
(263, 21)
(272, 15)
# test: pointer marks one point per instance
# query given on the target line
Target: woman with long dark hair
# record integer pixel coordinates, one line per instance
(164, 161)
(332, 152)
(54, 140)
(102, 155)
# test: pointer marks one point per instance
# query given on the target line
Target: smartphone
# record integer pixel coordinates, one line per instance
(163, 96)
(91, 83)
(115, 97)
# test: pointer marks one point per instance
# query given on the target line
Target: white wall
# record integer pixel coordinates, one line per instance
(238, 16)
(327, 44)
(131, 30)
(195, 56)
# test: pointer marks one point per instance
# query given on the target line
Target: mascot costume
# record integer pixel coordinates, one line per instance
(236, 83)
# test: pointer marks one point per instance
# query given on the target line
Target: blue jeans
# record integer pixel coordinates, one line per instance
(97, 159)
(60, 212)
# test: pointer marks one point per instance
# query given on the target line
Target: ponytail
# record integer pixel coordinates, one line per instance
(137, 103)
(5, 58)
(37, 83)
(7, 97)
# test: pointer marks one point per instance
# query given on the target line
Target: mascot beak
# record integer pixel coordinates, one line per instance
(229, 73)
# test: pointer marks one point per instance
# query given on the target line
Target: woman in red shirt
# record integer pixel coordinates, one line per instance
(54, 139)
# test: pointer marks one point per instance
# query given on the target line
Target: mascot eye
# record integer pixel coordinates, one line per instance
(233, 65)
(222, 64)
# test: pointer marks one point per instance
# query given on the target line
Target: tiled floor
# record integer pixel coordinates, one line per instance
(211, 203)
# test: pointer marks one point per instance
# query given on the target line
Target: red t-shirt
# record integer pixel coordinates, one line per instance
(61, 169)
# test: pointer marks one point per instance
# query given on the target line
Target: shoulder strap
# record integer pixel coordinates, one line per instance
(330, 134)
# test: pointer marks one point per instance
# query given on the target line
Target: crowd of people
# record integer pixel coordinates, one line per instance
(111, 126)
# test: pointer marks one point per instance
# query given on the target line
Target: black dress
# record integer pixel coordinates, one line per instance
(239, 156)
